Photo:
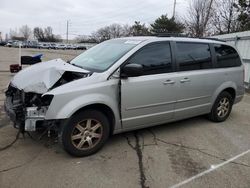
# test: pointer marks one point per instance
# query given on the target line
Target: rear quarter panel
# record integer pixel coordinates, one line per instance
(233, 78)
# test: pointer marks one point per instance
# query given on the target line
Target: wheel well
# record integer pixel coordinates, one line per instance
(231, 91)
(107, 111)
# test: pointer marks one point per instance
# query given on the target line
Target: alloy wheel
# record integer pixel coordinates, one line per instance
(86, 134)
(223, 107)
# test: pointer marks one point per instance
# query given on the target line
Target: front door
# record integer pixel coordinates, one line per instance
(149, 99)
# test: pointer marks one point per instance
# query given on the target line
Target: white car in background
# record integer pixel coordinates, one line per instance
(61, 47)
(44, 46)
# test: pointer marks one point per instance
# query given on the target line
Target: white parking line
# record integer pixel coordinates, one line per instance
(214, 167)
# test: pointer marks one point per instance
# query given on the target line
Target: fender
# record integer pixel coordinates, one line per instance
(68, 109)
(222, 87)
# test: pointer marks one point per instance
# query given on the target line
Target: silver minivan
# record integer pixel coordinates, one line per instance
(126, 84)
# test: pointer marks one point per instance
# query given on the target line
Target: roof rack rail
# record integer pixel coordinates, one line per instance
(171, 35)
(186, 36)
(216, 39)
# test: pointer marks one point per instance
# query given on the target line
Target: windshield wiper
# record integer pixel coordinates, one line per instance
(77, 65)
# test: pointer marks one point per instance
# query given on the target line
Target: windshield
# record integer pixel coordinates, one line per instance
(102, 56)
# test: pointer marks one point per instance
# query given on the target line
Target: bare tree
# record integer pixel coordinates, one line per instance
(199, 17)
(13, 33)
(48, 32)
(111, 31)
(46, 35)
(102, 34)
(116, 30)
(126, 30)
(25, 32)
(225, 17)
(39, 34)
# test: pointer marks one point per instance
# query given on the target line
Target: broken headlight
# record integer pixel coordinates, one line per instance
(46, 100)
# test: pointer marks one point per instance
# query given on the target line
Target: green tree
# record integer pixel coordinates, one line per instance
(165, 25)
(139, 29)
(243, 8)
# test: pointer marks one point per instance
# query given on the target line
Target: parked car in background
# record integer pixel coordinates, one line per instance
(9, 44)
(81, 47)
(61, 47)
(44, 46)
(70, 46)
(32, 43)
(25, 44)
(53, 46)
(2, 43)
(17, 44)
(74, 46)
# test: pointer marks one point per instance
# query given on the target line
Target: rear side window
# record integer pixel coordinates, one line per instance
(193, 56)
(155, 58)
(226, 56)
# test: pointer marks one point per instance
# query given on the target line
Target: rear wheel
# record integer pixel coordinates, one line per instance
(85, 133)
(222, 107)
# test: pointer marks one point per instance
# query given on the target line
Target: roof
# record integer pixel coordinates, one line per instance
(180, 39)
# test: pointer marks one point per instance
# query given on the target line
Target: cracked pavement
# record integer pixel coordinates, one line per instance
(159, 156)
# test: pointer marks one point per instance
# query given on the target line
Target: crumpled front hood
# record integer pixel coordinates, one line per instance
(39, 78)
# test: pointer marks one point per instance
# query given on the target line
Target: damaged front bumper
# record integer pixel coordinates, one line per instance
(32, 116)
(26, 118)
(8, 107)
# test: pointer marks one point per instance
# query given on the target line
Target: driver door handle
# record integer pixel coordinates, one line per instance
(168, 82)
(185, 80)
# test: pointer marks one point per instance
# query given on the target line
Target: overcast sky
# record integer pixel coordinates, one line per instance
(84, 16)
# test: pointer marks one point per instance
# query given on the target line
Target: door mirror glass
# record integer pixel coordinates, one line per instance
(131, 70)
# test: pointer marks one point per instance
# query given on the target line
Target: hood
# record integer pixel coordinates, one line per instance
(41, 77)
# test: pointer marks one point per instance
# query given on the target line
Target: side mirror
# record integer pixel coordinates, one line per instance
(131, 70)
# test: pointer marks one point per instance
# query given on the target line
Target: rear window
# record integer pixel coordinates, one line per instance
(193, 56)
(226, 56)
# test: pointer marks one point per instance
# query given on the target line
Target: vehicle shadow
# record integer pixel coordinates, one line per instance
(50, 140)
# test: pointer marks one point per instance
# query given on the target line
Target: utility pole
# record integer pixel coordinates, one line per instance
(174, 9)
(67, 33)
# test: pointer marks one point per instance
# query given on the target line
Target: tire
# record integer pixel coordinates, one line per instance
(222, 107)
(85, 133)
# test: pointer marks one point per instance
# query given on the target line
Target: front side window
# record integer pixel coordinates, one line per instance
(193, 56)
(226, 56)
(155, 58)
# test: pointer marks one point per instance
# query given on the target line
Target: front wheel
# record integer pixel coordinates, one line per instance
(85, 133)
(222, 107)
